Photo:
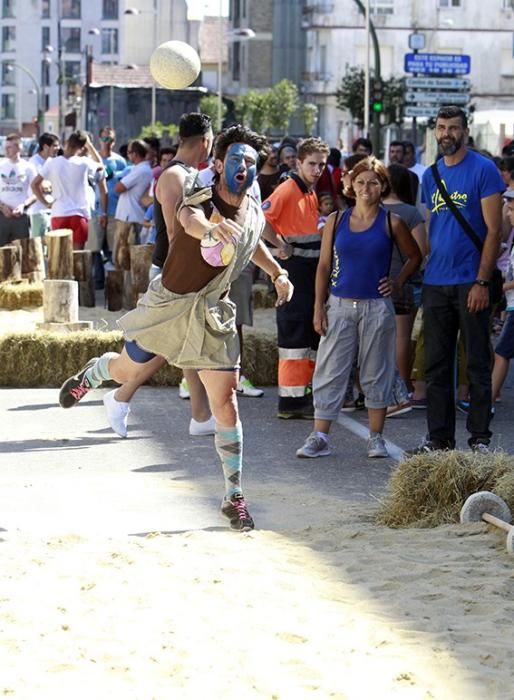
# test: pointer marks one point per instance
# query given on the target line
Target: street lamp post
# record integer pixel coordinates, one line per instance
(97, 32)
(137, 11)
(37, 92)
(376, 49)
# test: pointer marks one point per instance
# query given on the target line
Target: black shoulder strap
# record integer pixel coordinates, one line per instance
(454, 209)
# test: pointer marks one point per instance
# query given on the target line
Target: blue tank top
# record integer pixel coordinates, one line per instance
(360, 258)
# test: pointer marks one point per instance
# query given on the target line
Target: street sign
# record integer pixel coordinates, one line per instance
(437, 63)
(421, 111)
(444, 98)
(438, 83)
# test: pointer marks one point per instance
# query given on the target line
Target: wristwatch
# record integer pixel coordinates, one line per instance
(481, 283)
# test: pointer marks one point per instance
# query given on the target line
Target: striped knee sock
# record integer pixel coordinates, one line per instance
(99, 372)
(229, 446)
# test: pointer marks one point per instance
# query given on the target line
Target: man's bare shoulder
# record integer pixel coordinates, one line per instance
(172, 179)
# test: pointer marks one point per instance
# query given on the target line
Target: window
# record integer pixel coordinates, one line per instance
(8, 73)
(450, 3)
(8, 107)
(72, 70)
(70, 9)
(8, 9)
(45, 73)
(45, 38)
(109, 41)
(110, 9)
(381, 7)
(45, 9)
(71, 39)
(8, 39)
(236, 60)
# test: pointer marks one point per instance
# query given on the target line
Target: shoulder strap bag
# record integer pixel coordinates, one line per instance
(496, 281)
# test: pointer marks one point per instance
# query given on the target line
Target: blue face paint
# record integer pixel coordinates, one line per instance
(240, 167)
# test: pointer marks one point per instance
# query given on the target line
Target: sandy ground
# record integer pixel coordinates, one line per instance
(339, 609)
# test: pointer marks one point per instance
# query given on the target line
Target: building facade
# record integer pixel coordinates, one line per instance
(336, 38)
(44, 44)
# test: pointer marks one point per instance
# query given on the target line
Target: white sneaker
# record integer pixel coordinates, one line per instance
(315, 446)
(245, 387)
(183, 389)
(377, 447)
(201, 428)
(117, 413)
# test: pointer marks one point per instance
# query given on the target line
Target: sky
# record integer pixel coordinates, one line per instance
(197, 8)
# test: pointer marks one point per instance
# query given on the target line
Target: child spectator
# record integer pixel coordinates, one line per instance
(326, 207)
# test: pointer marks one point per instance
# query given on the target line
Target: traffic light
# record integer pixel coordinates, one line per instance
(377, 95)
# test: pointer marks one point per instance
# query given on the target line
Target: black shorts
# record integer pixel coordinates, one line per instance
(14, 228)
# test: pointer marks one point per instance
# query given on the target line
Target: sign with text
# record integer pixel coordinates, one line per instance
(442, 98)
(437, 63)
(438, 83)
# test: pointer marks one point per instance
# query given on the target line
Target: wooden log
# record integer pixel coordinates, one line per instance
(60, 301)
(32, 259)
(60, 254)
(10, 263)
(65, 327)
(140, 263)
(130, 294)
(83, 273)
(114, 290)
(121, 253)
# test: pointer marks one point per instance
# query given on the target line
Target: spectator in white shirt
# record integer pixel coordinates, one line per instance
(70, 175)
(16, 175)
(48, 146)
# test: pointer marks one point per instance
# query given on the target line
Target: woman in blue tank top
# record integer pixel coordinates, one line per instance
(353, 307)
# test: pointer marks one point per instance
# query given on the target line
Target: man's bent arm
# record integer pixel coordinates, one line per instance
(492, 213)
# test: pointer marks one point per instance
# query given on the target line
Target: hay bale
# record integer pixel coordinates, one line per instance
(21, 295)
(429, 490)
(45, 359)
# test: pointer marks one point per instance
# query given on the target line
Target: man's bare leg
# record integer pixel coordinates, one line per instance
(200, 409)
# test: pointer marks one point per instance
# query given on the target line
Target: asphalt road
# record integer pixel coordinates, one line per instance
(64, 470)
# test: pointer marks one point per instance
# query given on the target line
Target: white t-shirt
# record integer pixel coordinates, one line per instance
(137, 181)
(15, 179)
(70, 184)
(38, 163)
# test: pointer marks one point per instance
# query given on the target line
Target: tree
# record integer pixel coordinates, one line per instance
(350, 96)
(158, 129)
(282, 105)
(252, 109)
(209, 105)
(309, 114)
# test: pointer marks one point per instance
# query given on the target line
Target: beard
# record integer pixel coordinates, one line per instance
(450, 146)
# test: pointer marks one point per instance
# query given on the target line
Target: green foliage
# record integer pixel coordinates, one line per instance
(252, 110)
(209, 105)
(350, 96)
(158, 130)
(309, 115)
(282, 105)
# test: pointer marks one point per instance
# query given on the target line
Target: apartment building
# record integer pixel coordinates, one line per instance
(43, 48)
(336, 38)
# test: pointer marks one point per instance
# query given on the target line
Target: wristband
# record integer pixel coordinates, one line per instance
(481, 283)
(279, 274)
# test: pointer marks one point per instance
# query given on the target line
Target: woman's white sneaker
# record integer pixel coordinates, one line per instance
(117, 413)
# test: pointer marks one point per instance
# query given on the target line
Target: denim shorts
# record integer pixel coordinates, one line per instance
(505, 345)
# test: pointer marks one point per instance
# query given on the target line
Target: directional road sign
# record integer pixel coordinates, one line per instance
(444, 98)
(421, 111)
(437, 63)
(438, 83)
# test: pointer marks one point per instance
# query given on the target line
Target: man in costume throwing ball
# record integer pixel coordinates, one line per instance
(186, 315)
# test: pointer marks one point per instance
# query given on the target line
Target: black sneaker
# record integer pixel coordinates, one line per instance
(236, 511)
(360, 402)
(76, 387)
(427, 446)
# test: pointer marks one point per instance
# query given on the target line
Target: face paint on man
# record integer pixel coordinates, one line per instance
(240, 167)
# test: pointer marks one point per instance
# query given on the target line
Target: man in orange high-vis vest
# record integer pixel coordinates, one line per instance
(292, 214)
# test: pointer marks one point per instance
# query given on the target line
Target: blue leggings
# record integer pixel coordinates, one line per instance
(141, 356)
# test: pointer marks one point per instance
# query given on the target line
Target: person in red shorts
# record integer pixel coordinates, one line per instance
(72, 176)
